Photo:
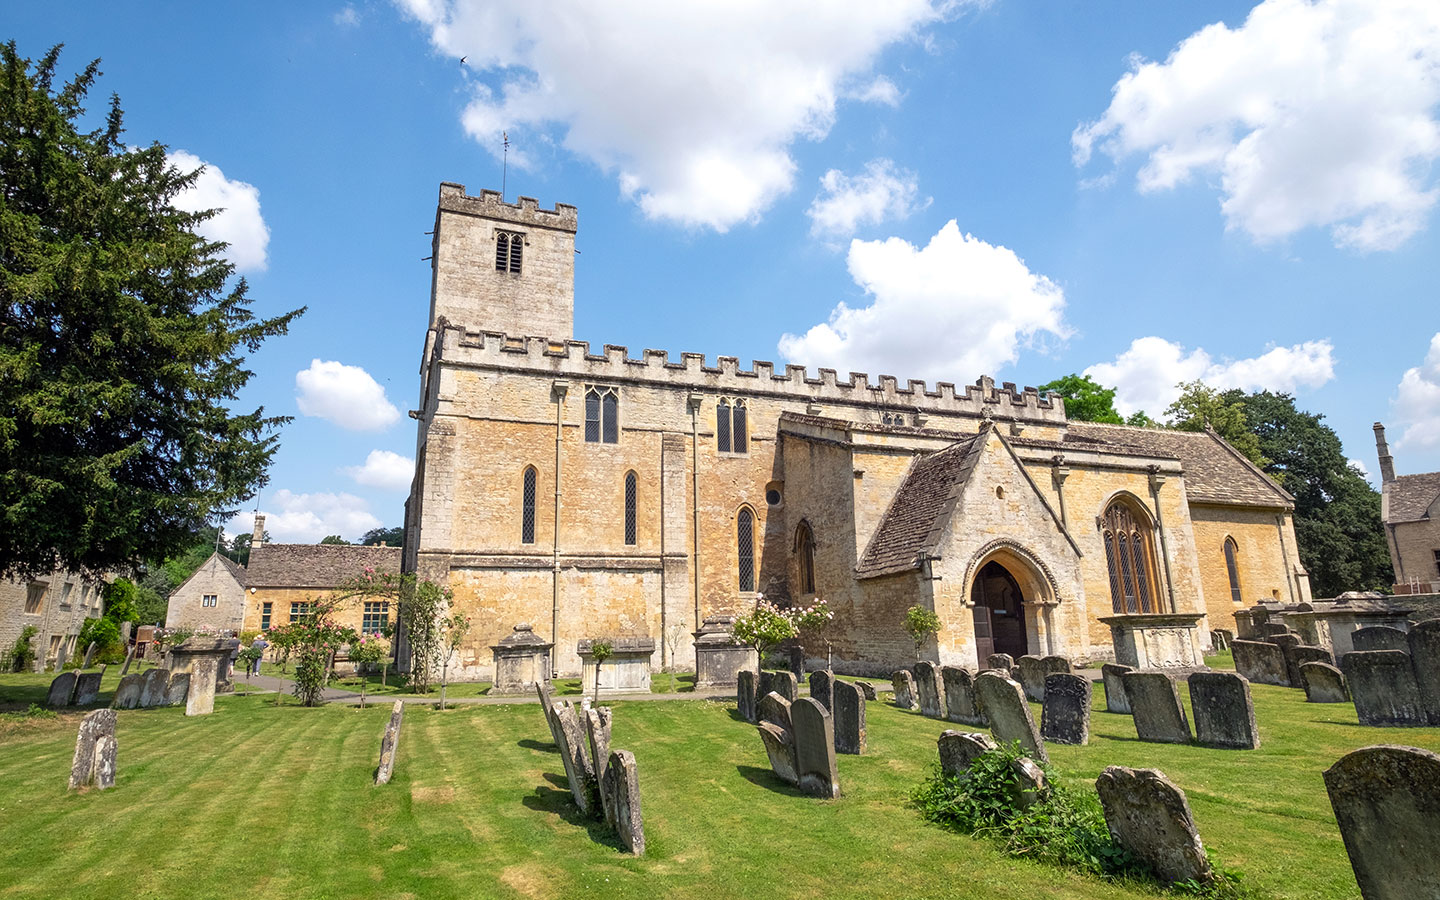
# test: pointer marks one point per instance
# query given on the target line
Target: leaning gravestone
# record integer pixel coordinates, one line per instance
(1031, 785)
(87, 688)
(152, 687)
(765, 683)
(389, 743)
(930, 690)
(1287, 644)
(578, 768)
(1424, 641)
(849, 712)
(89, 655)
(815, 749)
(745, 695)
(1323, 683)
(822, 683)
(960, 703)
(1065, 716)
(784, 684)
(1387, 803)
(62, 656)
(1260, 662)
(597, 733)
(1382, 684)
(1010, 718)
(1224, 713)
(1055, 665)
(129, 656)
(62, 690)
(1032, 677)
(866, 688)
(1379, 637)
(200, 699)
(904, 684)
(1299, 655)
(1003, 662)
(1155, 706)
(780, 748)
(95, 747)
(127, 693)
(1150, 817)
(178, 689)
(621, 788)
(774, 709)
(1113, 675)
(958, 749)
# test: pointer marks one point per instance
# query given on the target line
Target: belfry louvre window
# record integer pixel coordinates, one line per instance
(509, 248)
(805, 551)
(1232, 568)
(745, 541)
(1130, 560)
(602, 416)
(731, 427)
(630, 511)
(527, 507)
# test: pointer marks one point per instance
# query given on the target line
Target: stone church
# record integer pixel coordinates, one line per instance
(596, 494)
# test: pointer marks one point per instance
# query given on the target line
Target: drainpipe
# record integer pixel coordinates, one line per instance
(693, 401)
(1156, 480)
(560, 389)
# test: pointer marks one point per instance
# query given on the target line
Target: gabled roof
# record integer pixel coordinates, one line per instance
(315, 565)
(236, 571)
(1411, 496)
(920, 507)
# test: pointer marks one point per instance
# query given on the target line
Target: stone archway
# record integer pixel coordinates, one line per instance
(995, 599)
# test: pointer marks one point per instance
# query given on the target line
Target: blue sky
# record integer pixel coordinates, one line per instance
(1150, 192)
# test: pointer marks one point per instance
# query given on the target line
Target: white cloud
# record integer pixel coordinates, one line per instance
(348, 17)
(881, 90)
(1145, 375)
(692, 105)
(306, 518)
(345, 395)
(1313, 114)
(847, 202)
(1360, 467)
(238, 223)
(952, 311)
(1417, 403)
(384, 469)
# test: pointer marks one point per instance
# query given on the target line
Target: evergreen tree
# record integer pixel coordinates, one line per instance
(122, 343)
(390, 537)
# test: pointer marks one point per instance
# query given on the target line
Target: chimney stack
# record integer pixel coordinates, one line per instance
(1387, 463)
(257, 537)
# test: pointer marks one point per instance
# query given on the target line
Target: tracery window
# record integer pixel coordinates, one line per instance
(631, 530)
(509, 248)
(1232, 568)
(1130, 559)
(805, 551)
(602, 415)
(731, 426)
(745, 547)
(527, 507)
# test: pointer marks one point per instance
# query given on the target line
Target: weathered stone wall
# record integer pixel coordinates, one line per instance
(350, 613)
(186, 607)
(1412, 551)
(1266, 569)
(61, 613)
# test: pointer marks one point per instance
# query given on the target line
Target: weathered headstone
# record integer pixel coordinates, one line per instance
(822, 683)
(621, 788)
(1010, 718)
(958, 749)
(930, 690)
(1031, 673)
(1113, 674)
(62, 656)
(152, 687)
(815, 749)
(129, 657)
(1274, 629)
(1065, 716)
(579, 771)
(1379, 637)
(745, 695)
(904, 684)
(1299, 655)
(785, 684)
(1424, 642)
(765, 683)
(960, 705)
(1224, 713)
(597, 733)
(89, 655)
(1032, 785)
(848, 705)
(1150, 817)
(780, 748)
(1055, 665)
(1261, 662)
(200, 699)
(795, 658)
(389, 743)
(1001, 661)
(1287, 644)
(1155, 706)
(95, 746)
(87, 688)
(127, 693)
(866, 688)
(178, 688)
(774, 709)
(1387, 803)
(1382, 684)
(547, 706)
(62, 690)
(1323, 683)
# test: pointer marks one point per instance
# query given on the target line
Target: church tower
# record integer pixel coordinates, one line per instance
(497, 266)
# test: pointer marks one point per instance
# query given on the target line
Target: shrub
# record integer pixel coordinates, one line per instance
(105, 634)
(920, 624)
(22, 655)
(120, 601)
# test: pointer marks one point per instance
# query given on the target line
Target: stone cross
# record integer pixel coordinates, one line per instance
(1387, 803)
(1065, 717)
(960, 704)
(1224, 712)
(1150, 817)
(1010, 717)
(390, 743)
(95, 748)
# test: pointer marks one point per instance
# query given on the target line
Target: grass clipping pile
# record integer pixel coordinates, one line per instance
(1063, 827)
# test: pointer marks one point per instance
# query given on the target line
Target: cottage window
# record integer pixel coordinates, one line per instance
(34, 596)
(745, 546)
(805, 551)
(509, 247)
(375, 617)
(209, 600)
(731, 427)
(299, 611)
(65, 590)
(1232, 568)
(602, 415)
(265, 609)
(527, 505)
(631, 530)
(1130, 559)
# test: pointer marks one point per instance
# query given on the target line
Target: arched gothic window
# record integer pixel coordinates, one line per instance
(805, 552)
(1232, 568)
(509, 248)
(731, 426)
(602, 415)
(527, 507)
(745, 547)
(1130, 559)
(630, 515)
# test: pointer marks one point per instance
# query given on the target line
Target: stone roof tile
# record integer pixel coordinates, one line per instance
(315, 565)
(921, 502)
(1411, 496)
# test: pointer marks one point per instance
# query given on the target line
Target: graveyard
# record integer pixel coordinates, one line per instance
(255, 799)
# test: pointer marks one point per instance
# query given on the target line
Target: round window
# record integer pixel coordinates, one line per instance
(772, 497)
(1000, 492)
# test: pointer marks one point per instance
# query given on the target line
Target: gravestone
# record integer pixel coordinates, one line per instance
(1260, 662)
(621, 788)
(960, 705)
(866, 688)
(774, 709)
(597, 733)
(765, 683)
(547, 706)
(1224, 713)
(1150, 817)
(1155, 706)
(1010, 718)
(795, 658)
(200, 699)
(87, 688)
(904, 684)
(848, 705)
(389, 741)
(1113, 675)
(1379, 637)
(178, 689)
(1220, 638)
(815, 749)
(62, 690)
(89, 655)
(62, 656)
(784, 684)
(129, 656)
(152, 687)
(1287, 644)
(958, 749)
(1323, 683)
(127, 693)
(1055, 665)
(1387, 803)
(93, 764)
(578, 768)
(1382, 684)
(1065, 715)
(780, 748)
(1001, 661)
(745, 695)
(1299, 655)
(822, 683)
(1031, 784)
(1274, 629)
(1424, 641)
(930, 690)
(1031, 676)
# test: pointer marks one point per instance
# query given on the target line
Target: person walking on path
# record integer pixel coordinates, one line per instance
(258, 644)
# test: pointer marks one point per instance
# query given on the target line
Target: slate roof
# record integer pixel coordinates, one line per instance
(1215, 472)
(315, 565)
(1412, 495)
(235, 569)
(919, 507)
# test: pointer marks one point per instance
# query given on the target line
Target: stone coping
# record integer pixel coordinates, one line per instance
(1161, 620)
(620, 646)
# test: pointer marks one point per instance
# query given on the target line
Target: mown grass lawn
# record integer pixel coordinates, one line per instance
(258, 801)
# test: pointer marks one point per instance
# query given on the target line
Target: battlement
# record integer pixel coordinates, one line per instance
(526, 211)
(573, 359)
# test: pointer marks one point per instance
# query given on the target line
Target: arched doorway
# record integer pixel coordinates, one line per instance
(999, 618)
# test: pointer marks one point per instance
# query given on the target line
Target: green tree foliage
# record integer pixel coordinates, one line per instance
(921, 624)
(122, 342)
(334, 539)
(105, 634)
(120, 600)
(389, 537)
(1200, 406)
(1085, 399)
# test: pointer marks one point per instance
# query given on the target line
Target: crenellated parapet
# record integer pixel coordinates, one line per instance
(491, 205)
